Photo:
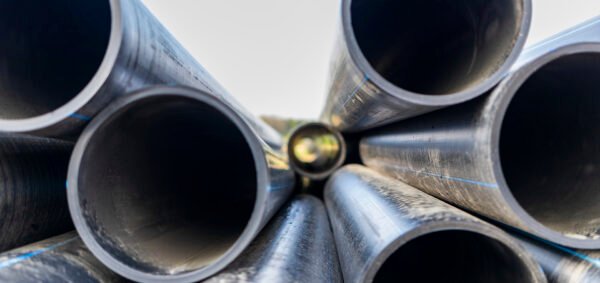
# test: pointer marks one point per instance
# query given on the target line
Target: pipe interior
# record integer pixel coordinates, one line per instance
(550, 145)
(454, 256)
(50, 51)
(315, 149)
(436, 47)
(167, 185)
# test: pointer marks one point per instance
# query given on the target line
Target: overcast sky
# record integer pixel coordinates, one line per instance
(273, 55)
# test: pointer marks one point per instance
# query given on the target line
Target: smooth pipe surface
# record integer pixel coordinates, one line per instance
(296, 246)
(316, 150)
(172, 184)
(59, 259)
(561, 264)
(387, 231)
(527, 154)
(399, 59)
(69, 59)
(33, 197)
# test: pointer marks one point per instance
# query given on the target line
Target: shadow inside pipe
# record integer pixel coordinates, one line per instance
(169, 185)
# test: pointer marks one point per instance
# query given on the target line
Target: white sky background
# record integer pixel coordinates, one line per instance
(273, 55)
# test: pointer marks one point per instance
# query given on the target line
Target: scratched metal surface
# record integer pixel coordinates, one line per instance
(454, 153)
(373, 216)
(157, 235)
(141, 52)
(561, 264)
(296, 246)
(59, 259)
(33, 203)
(361, 98)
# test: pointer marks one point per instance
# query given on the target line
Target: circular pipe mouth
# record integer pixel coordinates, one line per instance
(549, 144)
(455, 256)
(53, 58)
(436, 48)
(316, 150)
(165, 186)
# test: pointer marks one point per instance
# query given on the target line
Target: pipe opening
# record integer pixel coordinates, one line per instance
(50, 51)
(454, 256)
(550, 145)
(315, 150)
(167, 185)
(436, 47)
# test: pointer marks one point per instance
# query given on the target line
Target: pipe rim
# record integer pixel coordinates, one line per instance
(80, 99)
(250, 231)
(481, 229)
(338, 163)
(498, 104)
(389, 89)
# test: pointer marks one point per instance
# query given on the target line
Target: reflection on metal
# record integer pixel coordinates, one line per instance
(315, 150)
(396, 60)
(527, 154)
(387, 231)
(33, 202)
(296, 246)
(60, 259)
(49, 88)
(564, 265)
(172, 184)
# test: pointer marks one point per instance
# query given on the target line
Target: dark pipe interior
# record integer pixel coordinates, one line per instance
(550, 145)
(436, 47)
(168, 185)
(454, 257)
(49, 52)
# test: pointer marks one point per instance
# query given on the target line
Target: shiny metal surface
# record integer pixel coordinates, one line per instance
(33, 201)
(296, 246)
(316, 150)
(399, 59)
(70, 59)
(527, 154)
(60, 259)
(172, 184)
(564, 265)
(387, 231)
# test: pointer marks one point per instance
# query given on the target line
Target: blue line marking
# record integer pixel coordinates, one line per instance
(80, 117)
(463, 180)
(31, 254)
(67, 184)
(358, 87)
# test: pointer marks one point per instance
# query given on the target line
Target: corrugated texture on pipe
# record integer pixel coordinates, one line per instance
(387, 231)
(60, 259)
(172, 184)
(399, 59)
(33, 200)
(527, 154)
(296, 246)
(62, 61)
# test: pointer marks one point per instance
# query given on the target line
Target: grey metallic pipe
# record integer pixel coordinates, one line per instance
(60, 259)
(527, 154)
(387, 231)
(33, 201)
(399, 59)
(564, 265)
(296, 246)
(172, 184)
(71, 58)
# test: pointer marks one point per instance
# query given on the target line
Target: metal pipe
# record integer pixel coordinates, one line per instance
(33, 199)
(399, 59)
(387, 231)
(527, 154)
(296, 246)
(70, 59)
(172, 184)
(316, 150)
(561, 264)
(60, 259)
